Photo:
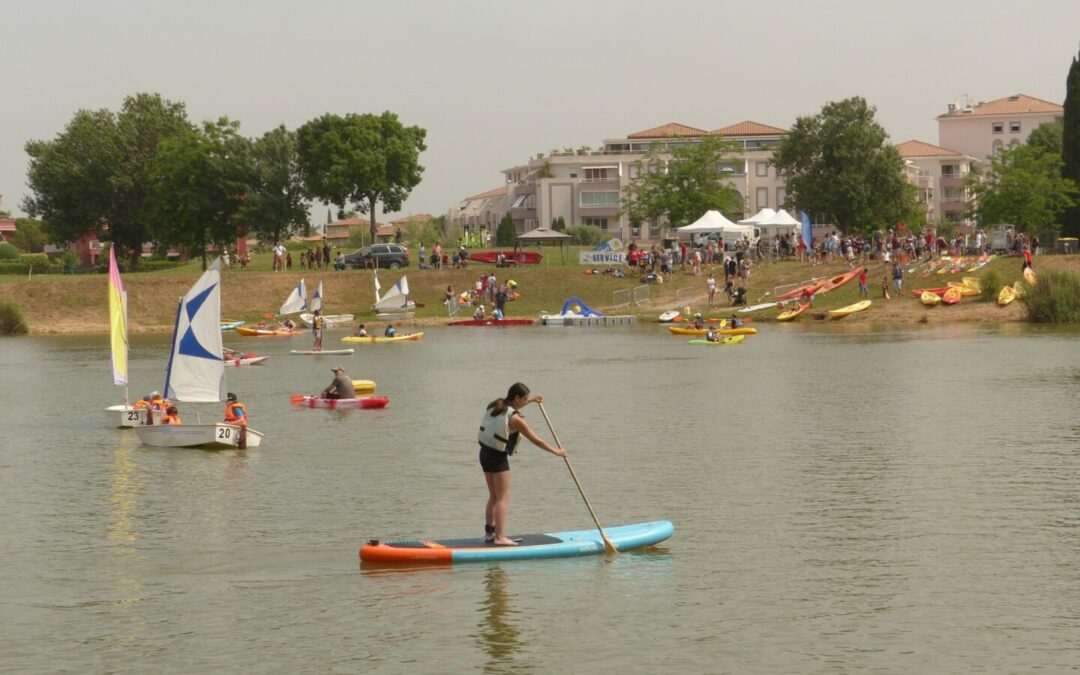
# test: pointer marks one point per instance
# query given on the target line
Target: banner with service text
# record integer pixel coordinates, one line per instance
(592, 258)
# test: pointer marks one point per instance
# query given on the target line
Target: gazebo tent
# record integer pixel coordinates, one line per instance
(759, 217)
(782, 223)
(542, 234)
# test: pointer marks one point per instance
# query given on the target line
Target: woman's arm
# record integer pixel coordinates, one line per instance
(518, 423)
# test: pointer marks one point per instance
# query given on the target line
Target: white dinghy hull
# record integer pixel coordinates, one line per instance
(218, 436)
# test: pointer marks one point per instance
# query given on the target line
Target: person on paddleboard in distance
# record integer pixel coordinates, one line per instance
(317, 324)
(341, 387)
(235, 412)
(500, 428)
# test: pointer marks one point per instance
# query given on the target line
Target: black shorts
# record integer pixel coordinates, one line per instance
(493, 461)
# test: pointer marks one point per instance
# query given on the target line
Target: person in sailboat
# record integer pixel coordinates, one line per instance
(235, 412)
(157, 403)
(317, 323)
(142, 404)
(341, 387)
(171, 416)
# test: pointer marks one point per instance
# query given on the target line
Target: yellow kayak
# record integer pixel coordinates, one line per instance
(930, 299)
(364, 386)
(743, 330)
(974, 282)
(850, 309)
(1029, 275)
(792, 313)
(369, 339)
(965, 289)
(1006, 295)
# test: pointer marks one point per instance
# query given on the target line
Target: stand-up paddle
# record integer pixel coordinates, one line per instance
(608, 545)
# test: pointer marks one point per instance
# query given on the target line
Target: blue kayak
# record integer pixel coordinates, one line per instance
(552, 545)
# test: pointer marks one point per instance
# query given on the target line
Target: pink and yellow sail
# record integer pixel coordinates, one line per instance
(118, 322)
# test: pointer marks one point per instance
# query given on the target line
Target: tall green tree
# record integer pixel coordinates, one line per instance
(1049, 136)
(275, 206)
(839, 165)
(1070, 146)
(682, 184)
(95, 177)
(361, 160)
(203, 178)
(29, 235)
(1022, 186)
(505, 233)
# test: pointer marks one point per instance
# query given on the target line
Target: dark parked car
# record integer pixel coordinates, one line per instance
(393, 256)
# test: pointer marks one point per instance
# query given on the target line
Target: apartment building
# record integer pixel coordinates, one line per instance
(939, 175)
(585, 187)
(479, 211)
(980, 129)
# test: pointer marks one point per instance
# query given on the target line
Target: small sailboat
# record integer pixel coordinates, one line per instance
(396, 302)
(196, 372)
(123, 416)
(329, 320)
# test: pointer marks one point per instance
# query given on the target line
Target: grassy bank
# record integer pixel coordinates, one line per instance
(78, 304)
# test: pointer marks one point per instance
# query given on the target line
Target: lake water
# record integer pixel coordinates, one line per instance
(845, 497)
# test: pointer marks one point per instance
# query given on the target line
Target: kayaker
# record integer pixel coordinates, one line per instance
(317, 324)
(390, 330)
(711, 335)
(500, 428)
(735, 322)
(361, 331)
(171, 416)
(699, 321)
(235, 412)
(341, 387)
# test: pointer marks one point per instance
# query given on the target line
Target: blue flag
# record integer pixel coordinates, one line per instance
(807, 229)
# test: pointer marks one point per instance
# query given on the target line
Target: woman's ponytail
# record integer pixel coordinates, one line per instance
(499, 405)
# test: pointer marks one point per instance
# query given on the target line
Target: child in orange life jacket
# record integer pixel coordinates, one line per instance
(171, 416)
(235, 412)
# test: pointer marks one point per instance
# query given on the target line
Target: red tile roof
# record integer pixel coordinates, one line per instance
(7, 224)
(915, 148)
(1011, 105)
(497, 192)
(670, 130)
(416, 218)
(749, 128)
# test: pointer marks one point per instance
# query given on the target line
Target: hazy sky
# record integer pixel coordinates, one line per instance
(496, 82)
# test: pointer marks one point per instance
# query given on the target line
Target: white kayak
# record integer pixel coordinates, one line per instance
(126, 417)
(329, 320)
(322, 352)
(758, 307)
(215, 436)
(669, 316)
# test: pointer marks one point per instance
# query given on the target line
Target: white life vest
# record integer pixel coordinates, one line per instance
(495, 431)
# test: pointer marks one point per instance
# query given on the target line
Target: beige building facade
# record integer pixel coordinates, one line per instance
(586, 187)
(981, 129)
(939, 174)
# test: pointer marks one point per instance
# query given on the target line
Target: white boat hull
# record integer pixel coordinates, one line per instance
(245, 361)
(126, 417)
(217, 436)
(330, 320)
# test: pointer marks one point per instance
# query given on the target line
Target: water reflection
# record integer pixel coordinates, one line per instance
(498, 633)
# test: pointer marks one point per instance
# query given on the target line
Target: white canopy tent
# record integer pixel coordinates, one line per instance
(781, 223)
(715, 222)
(759, 217)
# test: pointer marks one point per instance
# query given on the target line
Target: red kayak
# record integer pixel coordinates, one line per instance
(365, 402)
(493, 322)
(839, 280)
(509, 257)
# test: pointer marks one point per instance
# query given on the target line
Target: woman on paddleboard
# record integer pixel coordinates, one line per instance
(500, 429)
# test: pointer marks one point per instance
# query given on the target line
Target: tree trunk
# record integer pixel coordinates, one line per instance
(371, 210)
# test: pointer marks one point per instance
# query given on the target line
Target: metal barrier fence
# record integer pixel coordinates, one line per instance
(641, 294)
(452, 306)
(684, 293)
(621, 298)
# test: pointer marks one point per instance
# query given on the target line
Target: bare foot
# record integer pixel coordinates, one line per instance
(503, 541)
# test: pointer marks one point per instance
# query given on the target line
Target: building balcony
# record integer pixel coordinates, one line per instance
(524, 189)
(521, 212)
(611, 182)
(952, 181)
(953, 205)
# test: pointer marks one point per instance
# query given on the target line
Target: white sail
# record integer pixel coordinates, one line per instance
(316, 302)
(196, 372)
(377, 286)
(396, 298)
(297, 300)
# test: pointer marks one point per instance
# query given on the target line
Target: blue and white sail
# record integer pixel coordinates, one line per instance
(297, 300)
(196, 373)
(397, 298)
(316, 300)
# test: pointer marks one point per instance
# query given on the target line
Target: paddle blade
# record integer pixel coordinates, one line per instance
(296, 398)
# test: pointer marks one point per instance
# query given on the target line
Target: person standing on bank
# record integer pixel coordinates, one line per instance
(500, 429)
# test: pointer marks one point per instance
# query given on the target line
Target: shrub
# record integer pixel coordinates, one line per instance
(39, 260)
(8, 251)
(584, 235)
(12, 321)
(990, 284)
(1055, 297)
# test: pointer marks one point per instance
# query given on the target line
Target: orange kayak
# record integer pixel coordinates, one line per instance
(951, 296)
(839, 280)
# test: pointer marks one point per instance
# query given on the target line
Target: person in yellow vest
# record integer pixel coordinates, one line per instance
(171, 416)
(235, 412)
